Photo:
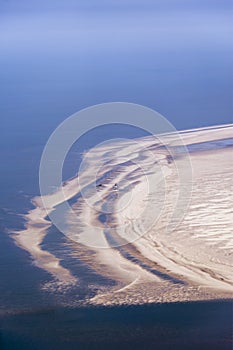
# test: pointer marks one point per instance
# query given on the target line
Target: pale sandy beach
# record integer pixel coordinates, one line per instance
(165, 235)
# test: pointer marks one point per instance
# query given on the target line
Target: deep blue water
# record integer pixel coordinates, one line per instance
(172, 56)
(31, 318)
(188, 326)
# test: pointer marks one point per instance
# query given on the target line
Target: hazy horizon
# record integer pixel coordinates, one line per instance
(172, 56)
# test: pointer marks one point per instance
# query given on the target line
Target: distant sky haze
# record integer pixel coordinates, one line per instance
(174, 56)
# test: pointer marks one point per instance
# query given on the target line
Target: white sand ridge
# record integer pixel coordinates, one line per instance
(197, 253)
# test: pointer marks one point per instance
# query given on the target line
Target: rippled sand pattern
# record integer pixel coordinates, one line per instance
(165, 235)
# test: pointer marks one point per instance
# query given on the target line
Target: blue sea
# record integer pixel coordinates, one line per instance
(172, 56)
(34, 318)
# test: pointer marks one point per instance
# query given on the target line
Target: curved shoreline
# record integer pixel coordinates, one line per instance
(204, 277)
